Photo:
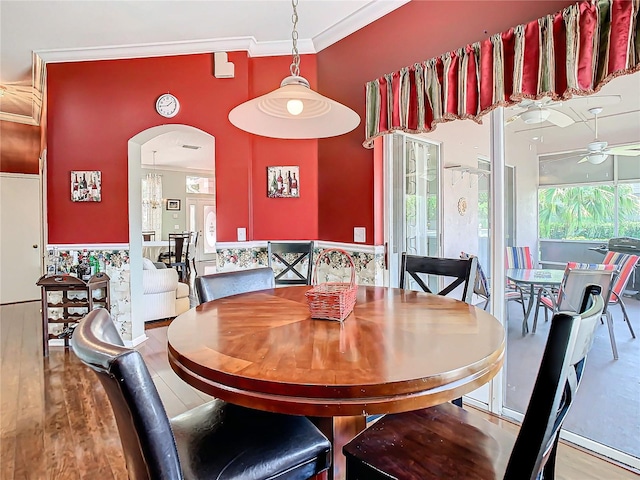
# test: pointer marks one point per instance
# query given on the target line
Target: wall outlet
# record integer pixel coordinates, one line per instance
(359, 234)
(176, 227)
(242, 234)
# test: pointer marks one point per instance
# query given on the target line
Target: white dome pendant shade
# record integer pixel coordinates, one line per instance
(294, 111)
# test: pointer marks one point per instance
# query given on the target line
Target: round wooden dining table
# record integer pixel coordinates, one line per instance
(397, 351)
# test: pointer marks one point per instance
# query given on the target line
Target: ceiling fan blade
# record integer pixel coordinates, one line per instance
(584, 159)
(560, 119)
(622, 148)
(624, 153)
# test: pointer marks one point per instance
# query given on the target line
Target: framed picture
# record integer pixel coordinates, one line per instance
(173, 204)
(283, 182)
(86, 186)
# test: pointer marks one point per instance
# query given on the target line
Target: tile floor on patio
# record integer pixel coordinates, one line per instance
(607, 406)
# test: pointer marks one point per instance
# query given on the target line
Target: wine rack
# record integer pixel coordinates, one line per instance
(67, 299)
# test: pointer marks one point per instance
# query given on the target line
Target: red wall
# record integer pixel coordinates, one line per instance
(19, 148)
(94, 108)
(283, 218)
(415, 32)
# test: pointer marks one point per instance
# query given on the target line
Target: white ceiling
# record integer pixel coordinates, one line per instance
(618, 123)
(62, 31)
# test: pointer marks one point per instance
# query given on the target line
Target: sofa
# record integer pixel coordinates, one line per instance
(163, 295)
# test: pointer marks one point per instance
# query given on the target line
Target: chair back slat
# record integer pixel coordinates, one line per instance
(145, 432)
(624, 263)
(577, 278)
(518, 257)
(560, 372)
(292, 256)
(462, 272)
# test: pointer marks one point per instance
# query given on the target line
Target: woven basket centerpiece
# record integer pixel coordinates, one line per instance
(332, 300)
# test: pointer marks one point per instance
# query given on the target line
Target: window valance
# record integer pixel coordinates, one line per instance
(573, 52)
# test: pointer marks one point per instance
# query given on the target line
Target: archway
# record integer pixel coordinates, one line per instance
(135, 155)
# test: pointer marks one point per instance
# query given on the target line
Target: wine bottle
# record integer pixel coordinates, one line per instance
(289, 183)
(294, 185)
(280, 182)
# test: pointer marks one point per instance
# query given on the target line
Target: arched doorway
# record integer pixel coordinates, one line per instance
(139, 146)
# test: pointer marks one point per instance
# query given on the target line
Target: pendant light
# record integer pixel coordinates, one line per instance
(294, 111)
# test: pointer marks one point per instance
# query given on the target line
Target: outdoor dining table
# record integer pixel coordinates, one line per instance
(397, 351)
(532, 279)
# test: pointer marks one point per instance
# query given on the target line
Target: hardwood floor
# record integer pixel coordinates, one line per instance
(56, 422)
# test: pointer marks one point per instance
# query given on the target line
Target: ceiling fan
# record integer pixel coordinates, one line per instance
(597, 151)
(538, 111)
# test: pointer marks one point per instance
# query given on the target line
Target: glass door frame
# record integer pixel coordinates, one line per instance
(395, 147)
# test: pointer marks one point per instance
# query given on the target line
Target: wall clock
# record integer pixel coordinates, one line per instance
(167, 105)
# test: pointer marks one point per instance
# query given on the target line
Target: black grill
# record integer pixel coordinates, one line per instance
(624, 245)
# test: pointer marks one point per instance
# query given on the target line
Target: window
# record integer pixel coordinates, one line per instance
(200, 185)
(152, 203)
(575, 210)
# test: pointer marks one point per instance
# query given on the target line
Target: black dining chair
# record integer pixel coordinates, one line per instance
(462, 272)
(449, 442)
(291, 255)
(178, 255)
(224, 284)
(217, 440)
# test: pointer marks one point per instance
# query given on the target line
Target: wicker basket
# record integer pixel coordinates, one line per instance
(332, 300)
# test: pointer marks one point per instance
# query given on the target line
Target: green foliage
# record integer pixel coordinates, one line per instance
(587, 212)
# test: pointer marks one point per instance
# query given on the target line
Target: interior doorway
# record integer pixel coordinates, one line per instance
(176, 138)
(21, 240)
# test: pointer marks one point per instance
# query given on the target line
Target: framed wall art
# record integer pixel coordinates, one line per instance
(173, 204)
(86, 186)
(283, 182)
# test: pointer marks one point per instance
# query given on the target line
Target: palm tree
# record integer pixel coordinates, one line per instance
(585, 212)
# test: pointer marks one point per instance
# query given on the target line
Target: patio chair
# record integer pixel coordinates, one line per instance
(577, 278)
(212, 441)
(625, 263)
(481, 285)
(449, 442)
(291, 255)
(517, 257)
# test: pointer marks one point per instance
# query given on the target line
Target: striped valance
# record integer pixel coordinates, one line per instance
(573, 52)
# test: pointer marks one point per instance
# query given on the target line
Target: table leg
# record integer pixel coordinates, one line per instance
(525, 321)
(339, 431)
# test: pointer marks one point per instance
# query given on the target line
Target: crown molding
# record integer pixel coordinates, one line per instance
(12, 117)
(354, 22)
(231, 44)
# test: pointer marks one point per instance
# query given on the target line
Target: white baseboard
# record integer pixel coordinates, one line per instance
(136, 341)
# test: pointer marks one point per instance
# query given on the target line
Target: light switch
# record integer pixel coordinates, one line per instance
(359, 234)
(175, 215)
(176, 227)
(242, 234)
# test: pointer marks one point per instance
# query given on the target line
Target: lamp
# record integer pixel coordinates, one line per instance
(596, 158)
(535, 115)
(294, 110)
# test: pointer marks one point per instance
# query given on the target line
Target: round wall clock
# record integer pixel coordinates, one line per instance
(462, 205)
(167, 105)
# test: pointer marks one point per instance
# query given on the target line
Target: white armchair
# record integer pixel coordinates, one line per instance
(163, 295)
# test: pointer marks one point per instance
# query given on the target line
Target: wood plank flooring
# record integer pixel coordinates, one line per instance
(56, 422)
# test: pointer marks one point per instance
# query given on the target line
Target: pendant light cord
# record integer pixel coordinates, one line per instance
(295, 64)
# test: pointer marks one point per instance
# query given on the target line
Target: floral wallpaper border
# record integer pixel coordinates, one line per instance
(115, 262)
(369, 266)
